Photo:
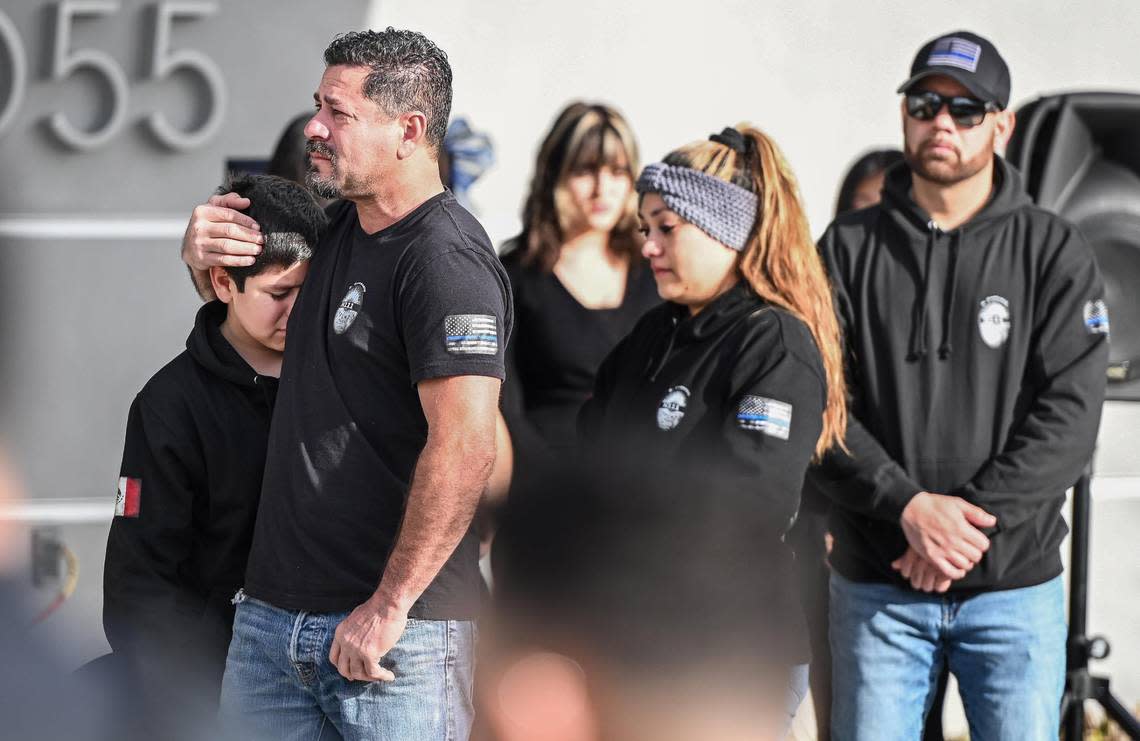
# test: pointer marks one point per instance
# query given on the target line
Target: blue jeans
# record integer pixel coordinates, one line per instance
(279, 683)
(1006, 648)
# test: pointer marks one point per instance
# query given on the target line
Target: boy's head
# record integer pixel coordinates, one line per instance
(260, 296)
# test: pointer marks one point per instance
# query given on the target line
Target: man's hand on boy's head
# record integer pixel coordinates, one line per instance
(218, 234)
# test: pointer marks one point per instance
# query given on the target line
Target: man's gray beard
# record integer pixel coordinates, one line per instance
(323, 187)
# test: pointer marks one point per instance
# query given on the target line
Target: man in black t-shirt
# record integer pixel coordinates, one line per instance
(363, 582)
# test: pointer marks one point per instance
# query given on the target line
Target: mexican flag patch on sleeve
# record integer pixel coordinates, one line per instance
(128, 499)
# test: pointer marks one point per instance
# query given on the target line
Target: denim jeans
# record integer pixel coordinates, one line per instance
(279, 683)
(1006, 648)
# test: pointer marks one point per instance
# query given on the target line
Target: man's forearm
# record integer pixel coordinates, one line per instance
(865, 478)
(450, 478)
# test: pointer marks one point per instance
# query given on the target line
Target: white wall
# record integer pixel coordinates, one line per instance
(818, 75)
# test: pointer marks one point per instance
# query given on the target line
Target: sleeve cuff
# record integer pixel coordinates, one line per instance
(893, 491)
(492, 368)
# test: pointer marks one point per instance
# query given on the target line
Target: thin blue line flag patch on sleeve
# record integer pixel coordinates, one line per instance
(1096, 317)
(765, 415)
(471, 334)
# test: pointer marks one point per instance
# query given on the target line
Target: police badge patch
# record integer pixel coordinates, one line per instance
(994, 321)
(349, 308)
(672, 407)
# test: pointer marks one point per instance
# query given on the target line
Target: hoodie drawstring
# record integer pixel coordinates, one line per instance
(918, 346)
(946, 348)
(918, 329)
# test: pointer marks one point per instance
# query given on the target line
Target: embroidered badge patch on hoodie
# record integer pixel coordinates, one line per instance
(765, 415)
(671, 410)
(129, 497)
(471, 334)
(994, 321)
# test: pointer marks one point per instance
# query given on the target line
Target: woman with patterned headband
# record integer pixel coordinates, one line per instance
(738, 376)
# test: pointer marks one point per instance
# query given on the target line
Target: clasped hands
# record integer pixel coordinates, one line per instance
(944, 540)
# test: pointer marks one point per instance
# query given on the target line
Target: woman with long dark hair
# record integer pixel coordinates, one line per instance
(739, 375)
(578, 278)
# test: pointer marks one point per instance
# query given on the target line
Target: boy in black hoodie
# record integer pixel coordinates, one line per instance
(192, 465)
(976, 336)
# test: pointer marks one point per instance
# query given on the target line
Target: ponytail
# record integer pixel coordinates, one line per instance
(783, 266)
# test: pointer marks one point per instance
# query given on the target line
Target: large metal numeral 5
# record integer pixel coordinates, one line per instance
(64, 62)
(17, 68)
(164, 61)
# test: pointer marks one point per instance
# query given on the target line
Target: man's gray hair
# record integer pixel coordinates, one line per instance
(408, 73)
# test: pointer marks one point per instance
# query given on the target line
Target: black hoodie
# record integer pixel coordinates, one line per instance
(735, 394)
(194, 455)
(976, 363)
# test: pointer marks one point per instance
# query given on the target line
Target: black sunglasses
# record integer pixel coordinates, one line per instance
(966, 112)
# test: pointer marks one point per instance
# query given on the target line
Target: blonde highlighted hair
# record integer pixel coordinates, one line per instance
(584, 137)
(781, 262)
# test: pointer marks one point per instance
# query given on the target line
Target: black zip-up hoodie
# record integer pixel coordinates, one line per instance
(735, 394)
(195, 450)
(976, 362)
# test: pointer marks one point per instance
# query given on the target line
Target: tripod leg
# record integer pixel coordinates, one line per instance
(1066, 703)
(1074, 720)
(1116, 710)
(1077, 677)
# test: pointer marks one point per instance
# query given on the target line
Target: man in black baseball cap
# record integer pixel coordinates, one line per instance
(977, 358)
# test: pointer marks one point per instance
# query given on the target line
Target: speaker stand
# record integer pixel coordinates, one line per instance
(1079, 684)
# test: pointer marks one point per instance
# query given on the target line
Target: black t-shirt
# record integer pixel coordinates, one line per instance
(423, 298)
(556, 349)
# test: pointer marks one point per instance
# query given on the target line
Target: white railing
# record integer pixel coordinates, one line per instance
(59, 511)
(1106, 488)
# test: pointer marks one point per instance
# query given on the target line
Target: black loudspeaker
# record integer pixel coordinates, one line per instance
(1080, 155)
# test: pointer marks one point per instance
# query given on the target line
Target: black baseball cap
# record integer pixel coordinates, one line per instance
(967, 58)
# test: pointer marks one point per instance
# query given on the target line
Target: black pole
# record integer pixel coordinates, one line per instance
(1078, 660)
(1079, 684)
(1079, 562)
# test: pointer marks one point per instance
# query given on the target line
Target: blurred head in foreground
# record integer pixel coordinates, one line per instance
(39, 697)
(629, 606)
(10, 556)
